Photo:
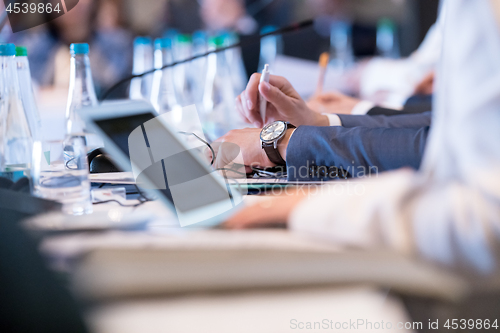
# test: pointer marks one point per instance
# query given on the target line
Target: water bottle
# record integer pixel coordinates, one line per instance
(163, 95)
(183, 73)
(81, 95)
(341, 51)
(27, 95)
(16, 141)
(74, 184)
(199, 66)
(387, 41)
(140, 88)
(218, 99)
(233, 55)
(270, 47)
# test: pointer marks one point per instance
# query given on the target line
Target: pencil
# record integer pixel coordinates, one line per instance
(323, 65)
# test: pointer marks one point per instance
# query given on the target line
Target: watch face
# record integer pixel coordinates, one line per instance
(272, 131)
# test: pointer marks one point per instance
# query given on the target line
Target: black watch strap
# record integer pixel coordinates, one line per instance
(273, 154)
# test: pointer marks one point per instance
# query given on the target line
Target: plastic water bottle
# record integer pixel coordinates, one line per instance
(163, 95)
(27, 95)
(238, 73)
(199, 66)
(183, 73)
(218, 99)
(341, 51)
(270, 47)
(74, 184)
(16, 141)
(140, 88)
(81, 94)
(387, 41)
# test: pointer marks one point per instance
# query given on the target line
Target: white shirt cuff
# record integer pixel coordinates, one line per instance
(362, 108)
(333, 119)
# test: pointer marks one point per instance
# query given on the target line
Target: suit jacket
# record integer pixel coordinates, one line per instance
(364, 145)
(415, 104)
(408, 109)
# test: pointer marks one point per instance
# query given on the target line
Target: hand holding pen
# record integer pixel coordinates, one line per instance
(283, 103)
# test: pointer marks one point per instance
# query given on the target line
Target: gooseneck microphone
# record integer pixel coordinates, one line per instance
(251, 41)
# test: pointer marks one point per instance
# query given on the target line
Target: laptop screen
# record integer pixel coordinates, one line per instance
(119, 129)
(180, 176)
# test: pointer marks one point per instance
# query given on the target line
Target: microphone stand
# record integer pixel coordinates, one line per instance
(254, 40)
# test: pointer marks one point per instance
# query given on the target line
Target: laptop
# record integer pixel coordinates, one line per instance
(163, 162)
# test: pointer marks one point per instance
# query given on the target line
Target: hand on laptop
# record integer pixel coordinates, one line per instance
(240, 147)
(271, 212)
(244, 147)
(284, 103)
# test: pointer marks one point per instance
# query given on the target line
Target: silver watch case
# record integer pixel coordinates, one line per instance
(275, 138)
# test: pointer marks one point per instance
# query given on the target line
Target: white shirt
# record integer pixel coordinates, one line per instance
(449, 211)
(399, 78)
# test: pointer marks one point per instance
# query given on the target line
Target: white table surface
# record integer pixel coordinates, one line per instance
(272, 311)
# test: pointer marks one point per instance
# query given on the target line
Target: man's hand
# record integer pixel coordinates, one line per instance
(426, 86)
(284, 103)
(332, 102)
(243, 147)
(272, 212)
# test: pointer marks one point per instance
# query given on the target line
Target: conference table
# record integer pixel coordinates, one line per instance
(260, 309)
(163, 278)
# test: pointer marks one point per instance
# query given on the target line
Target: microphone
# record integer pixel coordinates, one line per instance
(251, 41)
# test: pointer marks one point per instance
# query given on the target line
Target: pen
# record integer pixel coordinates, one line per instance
(323, 64)
(263, 102)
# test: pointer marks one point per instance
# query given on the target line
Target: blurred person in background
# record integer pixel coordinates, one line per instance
(377, 81)
(247, 18)
(98, 23)
(244, 16)
(395, 83)
(309, 43)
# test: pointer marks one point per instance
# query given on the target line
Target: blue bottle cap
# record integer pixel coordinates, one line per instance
(171, 33)
(81, 48)
(7, 50)
(163, 43)
(200, 35)
(230, 37)
(267, 29)
(141, 40)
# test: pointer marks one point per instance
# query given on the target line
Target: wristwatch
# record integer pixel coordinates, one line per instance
(270, 135)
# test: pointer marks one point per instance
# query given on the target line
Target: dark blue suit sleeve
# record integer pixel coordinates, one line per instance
(322, 153)
(397, 121)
